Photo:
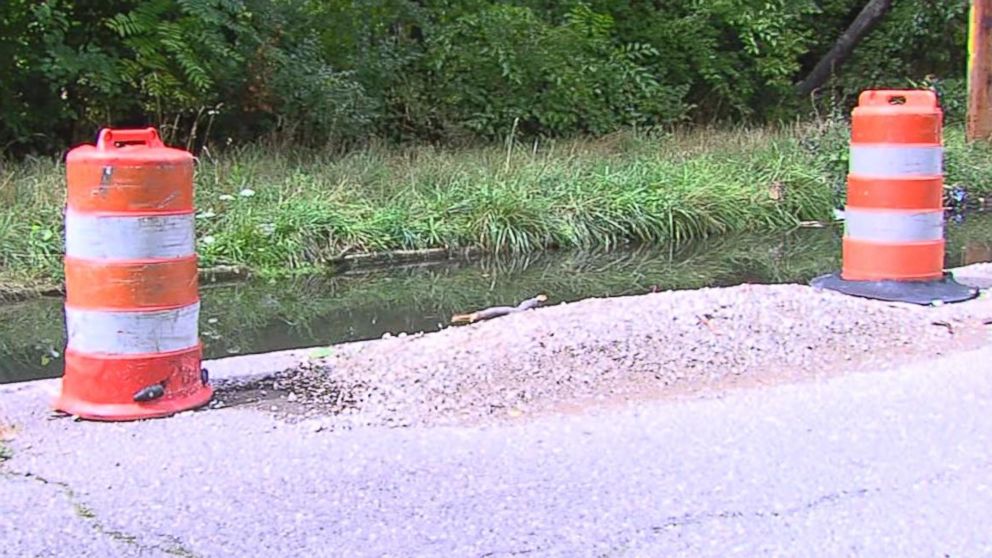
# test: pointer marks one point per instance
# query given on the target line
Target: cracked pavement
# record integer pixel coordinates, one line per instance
(887, 463)
(42, 518)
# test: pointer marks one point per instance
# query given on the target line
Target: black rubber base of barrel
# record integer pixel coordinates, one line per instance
(945, 290)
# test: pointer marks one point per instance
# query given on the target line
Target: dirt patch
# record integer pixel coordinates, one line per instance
(610, 351)
(297, 393)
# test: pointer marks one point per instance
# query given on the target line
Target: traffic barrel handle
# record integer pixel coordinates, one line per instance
(912, 97)
(109, 138)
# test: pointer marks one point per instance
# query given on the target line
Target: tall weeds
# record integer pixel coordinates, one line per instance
(281, 212)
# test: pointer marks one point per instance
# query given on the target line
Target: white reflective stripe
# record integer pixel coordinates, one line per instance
(896, 161)
(131, 333)
(103, 237)
(893, 226)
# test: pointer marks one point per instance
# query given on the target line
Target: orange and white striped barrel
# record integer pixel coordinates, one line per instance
(132, 294)
(894, 217)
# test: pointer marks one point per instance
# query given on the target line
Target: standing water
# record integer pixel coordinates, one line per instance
(260, 316)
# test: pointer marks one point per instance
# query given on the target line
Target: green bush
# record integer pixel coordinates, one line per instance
(736, 57)
(504, 64)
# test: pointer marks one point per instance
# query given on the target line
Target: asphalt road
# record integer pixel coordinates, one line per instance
(895, 463)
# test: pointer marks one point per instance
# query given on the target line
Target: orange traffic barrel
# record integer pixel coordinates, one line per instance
(893, 245)
(132, 295)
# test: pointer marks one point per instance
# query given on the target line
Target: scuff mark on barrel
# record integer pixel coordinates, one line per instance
(106, 177)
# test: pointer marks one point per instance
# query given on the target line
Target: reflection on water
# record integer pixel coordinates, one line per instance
(267, 316)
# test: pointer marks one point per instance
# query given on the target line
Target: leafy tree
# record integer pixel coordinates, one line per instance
(337, 71)
(59, 71)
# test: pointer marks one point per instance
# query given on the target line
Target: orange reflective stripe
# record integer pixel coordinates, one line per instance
(131, 285)
(97, 186)
(895, 193)
(872, 261)
(922, 130)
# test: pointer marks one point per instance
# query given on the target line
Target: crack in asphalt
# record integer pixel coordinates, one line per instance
(691, 519)
(686, 520)
(674, 523)
(83, 511)
(521, 552)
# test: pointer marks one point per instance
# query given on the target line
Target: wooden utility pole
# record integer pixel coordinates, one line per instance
(980, 71)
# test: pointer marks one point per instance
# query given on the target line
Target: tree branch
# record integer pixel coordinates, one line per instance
(873, 13)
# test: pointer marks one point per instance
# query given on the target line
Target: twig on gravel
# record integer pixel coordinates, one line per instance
(705, 320)
(948, 325)
(497, 311)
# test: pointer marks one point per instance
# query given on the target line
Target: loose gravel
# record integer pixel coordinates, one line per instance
(605, 350)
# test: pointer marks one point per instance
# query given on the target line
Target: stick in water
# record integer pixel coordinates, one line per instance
(497, 311)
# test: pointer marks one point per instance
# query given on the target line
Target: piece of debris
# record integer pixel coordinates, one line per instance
(776, 191)
(149, 393)
(705, 320)
(7, 432)
(943, 323)
(497, 311)
(320, 352)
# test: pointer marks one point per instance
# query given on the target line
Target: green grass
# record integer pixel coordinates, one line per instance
(6, 430)
(289, 212)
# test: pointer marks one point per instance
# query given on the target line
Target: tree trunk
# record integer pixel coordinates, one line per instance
(870, 16)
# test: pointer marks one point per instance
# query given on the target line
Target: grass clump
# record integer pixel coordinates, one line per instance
(968, 165)
(6, 434)
(281, 212)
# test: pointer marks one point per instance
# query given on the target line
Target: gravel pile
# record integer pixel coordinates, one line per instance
(598, 349)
